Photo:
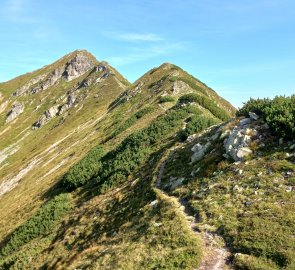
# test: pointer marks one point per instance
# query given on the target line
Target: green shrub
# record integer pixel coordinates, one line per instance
(205, 102)
(165, 99)
(38, 224)
(137, 147)
(132, 120)
(253, 105)
(279, 113)
(197, 123)
(84, 170)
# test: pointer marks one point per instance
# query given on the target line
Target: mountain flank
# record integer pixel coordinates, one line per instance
(163, 173)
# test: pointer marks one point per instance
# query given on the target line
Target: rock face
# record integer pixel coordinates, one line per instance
(237, 144)
(180, 87)
(253, 116)
(199, 151)
(77, 66)
(17, 109)
(50, 113)
(55, 111)
(25, 88)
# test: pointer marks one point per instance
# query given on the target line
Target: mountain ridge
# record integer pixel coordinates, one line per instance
(126, 165)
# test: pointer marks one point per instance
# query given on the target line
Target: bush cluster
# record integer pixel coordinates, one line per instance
(279, 113)
(205, 102)
(165, 99)
(197, 123)
(84, 170)
(38, 224)
(132, 120)
(137, 147)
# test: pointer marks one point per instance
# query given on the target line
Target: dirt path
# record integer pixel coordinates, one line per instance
(215, 257)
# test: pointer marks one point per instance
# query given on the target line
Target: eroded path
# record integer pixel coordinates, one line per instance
(215, 256)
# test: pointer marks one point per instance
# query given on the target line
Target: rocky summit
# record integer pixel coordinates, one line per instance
(163, 173)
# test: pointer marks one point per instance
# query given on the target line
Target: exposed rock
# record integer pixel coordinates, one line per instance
(253, 116)
(17, 109)
(225, 134)
(281, 141)
(25, 88)
(175, 182)
(191, 138)
(214, 136)
(50, 113)
(199, 151)
(53, 78)
(153, 203)
(77, 66)
(245, 121)
(292, 147)
(236, 145)
(180, 87)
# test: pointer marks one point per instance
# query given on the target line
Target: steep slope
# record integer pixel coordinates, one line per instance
(110, 214)
(62, 103)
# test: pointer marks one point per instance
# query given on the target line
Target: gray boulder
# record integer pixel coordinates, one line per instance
(253, 116)
(199, 151)
(77, 66)
(237, 144)
(16, 110)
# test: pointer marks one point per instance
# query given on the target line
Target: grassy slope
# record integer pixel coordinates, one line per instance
(253, 210)
(98, 231)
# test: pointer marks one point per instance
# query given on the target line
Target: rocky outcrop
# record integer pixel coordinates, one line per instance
(180, 87)
(77, 66)
(16, 110)
(239, 139)
(55, 111)
(26, 87)
(199, 151)
(47, 116)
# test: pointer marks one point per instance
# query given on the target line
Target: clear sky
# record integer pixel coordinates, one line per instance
(241, 49)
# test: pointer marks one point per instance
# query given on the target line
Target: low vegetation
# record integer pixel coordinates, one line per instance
(84, 170)
(165, 99)
(39, 224)
(205, 102)
(279, 113)
(137, 147)
(196, 124)
(132, 120)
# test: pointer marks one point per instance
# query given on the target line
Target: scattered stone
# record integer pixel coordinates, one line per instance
(175, 182)
(153, 203)
(253, 116)
(226, 156)
(225, 134)
(191, 138)
(240, 172)
(214, 137)
(17, 109)
(243, 152)
(199, 151)
(237, 188)
(245, 121)
(157, 224)
(292, 147)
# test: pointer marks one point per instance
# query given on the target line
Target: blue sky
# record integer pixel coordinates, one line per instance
(240, 48)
